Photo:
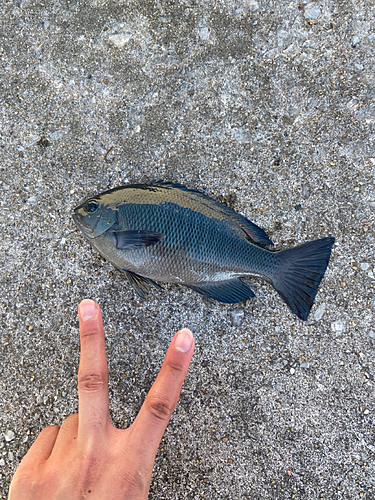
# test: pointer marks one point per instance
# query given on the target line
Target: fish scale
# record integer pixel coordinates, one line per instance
(169, 233)
(208, 246)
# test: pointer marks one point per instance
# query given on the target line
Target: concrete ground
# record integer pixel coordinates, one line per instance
(267, 106)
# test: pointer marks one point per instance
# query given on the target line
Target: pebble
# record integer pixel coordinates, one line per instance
(204, 33)
(32, 201)
(365, 266)
(319, 311)
(10, 456)
(252, 5)
(2, 462)
(9, 435)
(313, 12)
(305, 192)
(292, 371)
(119, 40)
(339, 326)
(356, 41)
(371, 334)
(237, 316)
(305, 364)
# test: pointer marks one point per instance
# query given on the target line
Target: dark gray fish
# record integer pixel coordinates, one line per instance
(166, 232)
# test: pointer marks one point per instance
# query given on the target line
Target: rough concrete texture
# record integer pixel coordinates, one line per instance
(267, 106)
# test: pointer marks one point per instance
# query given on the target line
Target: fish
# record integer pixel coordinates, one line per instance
(165, 232)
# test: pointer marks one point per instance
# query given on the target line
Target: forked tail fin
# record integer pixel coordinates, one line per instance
(299, 272)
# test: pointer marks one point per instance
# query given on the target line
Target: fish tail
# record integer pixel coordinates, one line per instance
(299, 272)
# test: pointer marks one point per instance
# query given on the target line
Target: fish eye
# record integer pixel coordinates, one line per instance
(91, 206)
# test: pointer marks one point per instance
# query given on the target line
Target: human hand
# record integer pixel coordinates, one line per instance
(87, 457)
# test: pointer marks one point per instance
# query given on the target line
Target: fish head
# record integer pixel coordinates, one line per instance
(95, 217)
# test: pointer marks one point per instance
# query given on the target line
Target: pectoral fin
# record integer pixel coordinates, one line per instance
(129, 240)
(141, 284)
(228, 291)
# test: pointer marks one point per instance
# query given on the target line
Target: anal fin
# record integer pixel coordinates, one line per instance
(228, 291)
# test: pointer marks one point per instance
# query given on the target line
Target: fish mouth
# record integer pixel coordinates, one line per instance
(79, 220)
(75, 217)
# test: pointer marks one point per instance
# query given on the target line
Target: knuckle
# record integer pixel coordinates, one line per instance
(135, 481)
(91, 381)
(69, 422)
(20, 484)
(50, 429)
(28, 484)
(90, 330)
(71, 419)
(161, 409)
(175, 366)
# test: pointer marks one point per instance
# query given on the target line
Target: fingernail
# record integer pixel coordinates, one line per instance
(87, 309)
(184, 340)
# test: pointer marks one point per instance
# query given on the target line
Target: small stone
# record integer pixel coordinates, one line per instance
(32, 201)
(371, 334)
(9, 436)
(10, 456)
(366, 412)
(320, 311)
(292, 371)
(312, 12)
(2, 462)
(305, 191)
(44, 142)
(339, 326)
(365, 266)
(119, 41)
(237, 316)
(371, 275)
(204, 33)
(253, 5)
(305, 364)
(355, 41)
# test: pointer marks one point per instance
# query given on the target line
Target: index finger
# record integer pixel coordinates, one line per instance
(93, 414)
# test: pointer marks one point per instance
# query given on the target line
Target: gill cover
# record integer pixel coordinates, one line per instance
(94, 217)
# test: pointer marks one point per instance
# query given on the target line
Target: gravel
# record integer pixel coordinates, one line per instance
(266, 106)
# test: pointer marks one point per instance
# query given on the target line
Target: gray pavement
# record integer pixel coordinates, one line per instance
(268, 106)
